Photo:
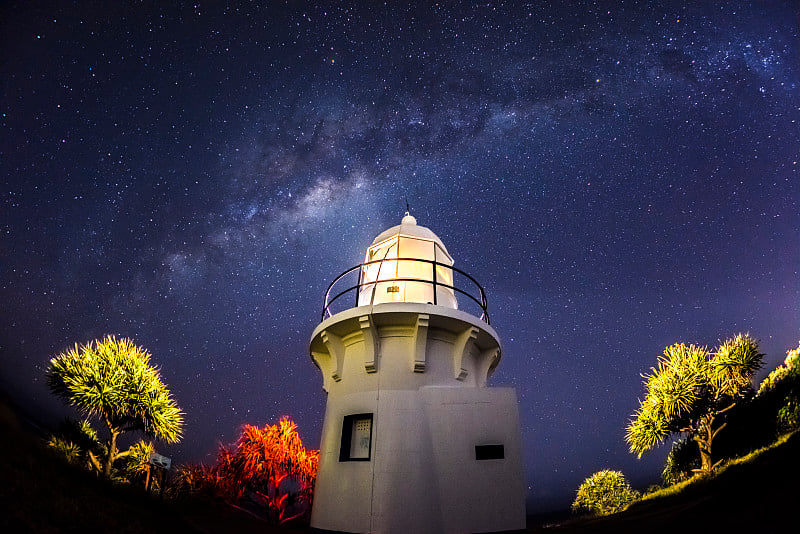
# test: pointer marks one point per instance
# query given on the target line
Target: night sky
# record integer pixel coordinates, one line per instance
(618, 176)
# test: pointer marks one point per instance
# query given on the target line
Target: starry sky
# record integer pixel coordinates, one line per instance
(619, 176)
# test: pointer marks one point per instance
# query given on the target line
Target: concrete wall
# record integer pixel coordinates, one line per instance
(422, 377)
(423, 475)
(476, 495)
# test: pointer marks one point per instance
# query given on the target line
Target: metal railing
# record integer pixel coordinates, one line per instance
(480, 299)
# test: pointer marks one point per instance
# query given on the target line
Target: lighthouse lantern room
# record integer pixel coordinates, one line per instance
(407, 263)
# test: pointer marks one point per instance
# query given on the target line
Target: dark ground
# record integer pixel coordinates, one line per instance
(41, 493)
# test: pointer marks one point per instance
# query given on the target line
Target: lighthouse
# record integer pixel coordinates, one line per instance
(414, 440)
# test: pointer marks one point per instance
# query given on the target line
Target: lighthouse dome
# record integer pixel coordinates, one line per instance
(407, 263)
(408, 227)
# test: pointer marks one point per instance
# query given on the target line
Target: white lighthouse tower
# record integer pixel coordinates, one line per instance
(413, 440)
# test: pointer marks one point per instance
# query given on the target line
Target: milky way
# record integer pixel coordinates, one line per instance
(618, 177)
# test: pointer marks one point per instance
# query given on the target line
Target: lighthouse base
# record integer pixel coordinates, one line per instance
(436, 460)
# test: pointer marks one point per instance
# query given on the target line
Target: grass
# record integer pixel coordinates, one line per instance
(701, 479)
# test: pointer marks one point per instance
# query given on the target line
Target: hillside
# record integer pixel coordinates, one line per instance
(756, 496)
(40, 493)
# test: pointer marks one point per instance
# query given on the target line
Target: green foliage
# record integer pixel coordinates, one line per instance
(68, 449)
(782, 388)
(196, 481)
(790, 369)
(136, 464)
(605, 492)
(759, 420)
(114, 381)
(78, 442)
(85, 433)
(682, 461)
(732, 368)
(690, 390)
(672, 390)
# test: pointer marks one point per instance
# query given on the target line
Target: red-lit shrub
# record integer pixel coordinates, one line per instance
(267, 471)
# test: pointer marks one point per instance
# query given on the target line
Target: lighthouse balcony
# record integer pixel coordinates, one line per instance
(405, 279)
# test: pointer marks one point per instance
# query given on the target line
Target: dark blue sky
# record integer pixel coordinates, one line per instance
(618, 176)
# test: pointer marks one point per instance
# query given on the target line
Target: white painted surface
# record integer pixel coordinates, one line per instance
(420, 369)
(422, 475)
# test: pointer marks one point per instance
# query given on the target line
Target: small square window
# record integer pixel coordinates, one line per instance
(489, 452)
(356, 438)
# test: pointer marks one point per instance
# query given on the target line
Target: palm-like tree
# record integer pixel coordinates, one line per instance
(690, 392)
(114, 381)
(261, 461)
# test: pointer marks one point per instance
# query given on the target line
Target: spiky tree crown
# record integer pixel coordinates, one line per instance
(113, 379)
(689, 382)
(271, 452)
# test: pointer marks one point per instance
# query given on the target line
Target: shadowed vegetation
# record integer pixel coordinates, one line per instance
(43, 493)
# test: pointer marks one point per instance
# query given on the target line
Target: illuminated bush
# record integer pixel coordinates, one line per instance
(605, 492)
(267, 472)
(136, 466)
(783, 387)
(789, 369)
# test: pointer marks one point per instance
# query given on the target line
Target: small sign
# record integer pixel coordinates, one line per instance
(362, 436)
(160, 461)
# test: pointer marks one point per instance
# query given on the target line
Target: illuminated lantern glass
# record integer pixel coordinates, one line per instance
(399, 267)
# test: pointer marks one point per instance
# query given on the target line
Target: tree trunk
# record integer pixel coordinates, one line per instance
(704, 437)
(95, 463)
(705, 456)
(112, 449)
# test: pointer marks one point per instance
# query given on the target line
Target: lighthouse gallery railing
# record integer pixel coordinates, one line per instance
(480, 300)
